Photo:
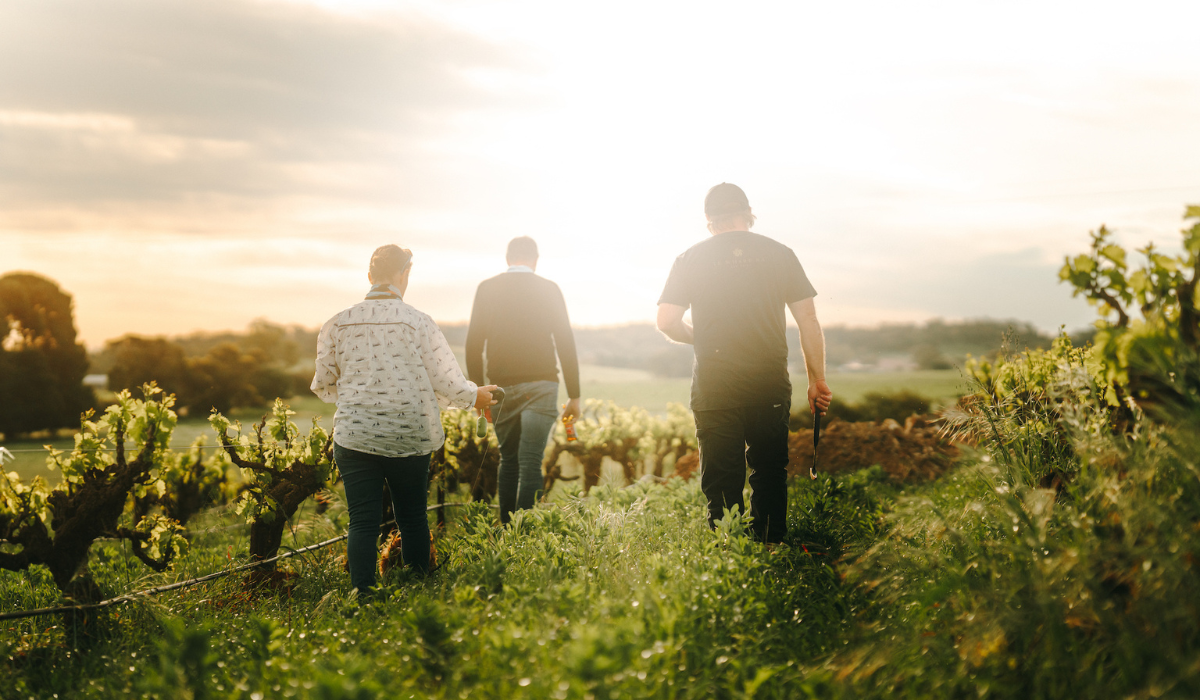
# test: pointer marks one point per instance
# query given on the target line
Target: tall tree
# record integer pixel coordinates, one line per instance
(41, 364)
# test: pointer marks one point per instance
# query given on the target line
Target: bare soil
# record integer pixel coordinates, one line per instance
(911, 452)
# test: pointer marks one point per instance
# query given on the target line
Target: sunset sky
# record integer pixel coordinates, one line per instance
(180, 165)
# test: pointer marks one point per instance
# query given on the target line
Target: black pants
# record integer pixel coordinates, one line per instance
(730, 437)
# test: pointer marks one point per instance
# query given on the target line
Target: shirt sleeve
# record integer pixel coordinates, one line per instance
(324, 383)
(796, 286)
(564, 341)
(678, 290)
(476, 337)
(449, 385)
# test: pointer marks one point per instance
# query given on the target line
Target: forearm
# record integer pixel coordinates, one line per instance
(564, 342)
(812, 339)
(812, 343)
(570, 370)
(681, 332)
(671, 324)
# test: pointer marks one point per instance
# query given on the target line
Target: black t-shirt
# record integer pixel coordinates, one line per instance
(738, 285)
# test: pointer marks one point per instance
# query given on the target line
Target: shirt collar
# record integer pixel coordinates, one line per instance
(519, 268)
(384, 291)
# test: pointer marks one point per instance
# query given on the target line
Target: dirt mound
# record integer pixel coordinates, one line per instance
(910, 452)
(688, 466)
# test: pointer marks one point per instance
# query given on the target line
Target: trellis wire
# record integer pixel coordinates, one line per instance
(128, 597)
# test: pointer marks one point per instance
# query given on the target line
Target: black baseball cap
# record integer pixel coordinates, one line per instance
(725, 199)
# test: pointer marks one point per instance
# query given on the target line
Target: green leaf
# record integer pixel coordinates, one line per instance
(1191, 240)
(763, 675)
(1084, 263)
(1139, 282)
(1115, 253)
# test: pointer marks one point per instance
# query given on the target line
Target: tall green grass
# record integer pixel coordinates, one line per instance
(1062, 563)
(625, 593)
(1058, 560)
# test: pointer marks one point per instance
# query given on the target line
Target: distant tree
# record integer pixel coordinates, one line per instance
(41, 364)
(273, 344)
(928, 356)
(228, 375)
(137, 361)
(223, 379)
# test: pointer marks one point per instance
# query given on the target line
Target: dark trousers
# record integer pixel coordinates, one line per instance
(523, 425)
(408, 481)
(730, 437)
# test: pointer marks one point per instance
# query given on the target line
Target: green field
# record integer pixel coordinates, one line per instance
(626, 387)
(629, 387)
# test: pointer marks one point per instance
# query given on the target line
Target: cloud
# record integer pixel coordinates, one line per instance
(922, 160)
(228, 104)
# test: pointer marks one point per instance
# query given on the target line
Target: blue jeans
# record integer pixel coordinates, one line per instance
(523, 426)
(408, 480)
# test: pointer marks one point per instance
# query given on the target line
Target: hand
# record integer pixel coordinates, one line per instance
(571, 409)
(819, 396)
(483, 397)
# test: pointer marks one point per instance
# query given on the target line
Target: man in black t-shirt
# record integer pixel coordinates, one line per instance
(519, 319)
(738, 285)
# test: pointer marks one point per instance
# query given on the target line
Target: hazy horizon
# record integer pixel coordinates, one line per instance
(93, 347)
(182, 167)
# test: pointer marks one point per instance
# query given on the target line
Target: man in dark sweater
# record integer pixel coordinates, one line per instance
(519, 319)
(738, 285)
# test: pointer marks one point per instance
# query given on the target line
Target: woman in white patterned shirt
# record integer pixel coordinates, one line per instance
(389, 369)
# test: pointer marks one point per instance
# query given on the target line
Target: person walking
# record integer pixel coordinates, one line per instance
(738, 285)
(387, 366)
(519, 320)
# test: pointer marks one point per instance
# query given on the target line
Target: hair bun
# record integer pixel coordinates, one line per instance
(388, 260)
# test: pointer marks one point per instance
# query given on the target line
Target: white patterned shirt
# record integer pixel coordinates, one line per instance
(388, 368)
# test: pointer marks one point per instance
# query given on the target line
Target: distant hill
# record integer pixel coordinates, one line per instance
(936, 344)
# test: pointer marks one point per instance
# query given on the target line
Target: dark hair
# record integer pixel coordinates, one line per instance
(387, 260)
(521, 248)
(725, 200)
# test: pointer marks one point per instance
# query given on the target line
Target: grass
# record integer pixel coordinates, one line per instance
(981, 583)
(625, 593)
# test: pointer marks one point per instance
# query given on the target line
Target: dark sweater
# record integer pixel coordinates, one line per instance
(521, 318)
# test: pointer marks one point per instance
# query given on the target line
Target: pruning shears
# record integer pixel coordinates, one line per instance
(812, 471)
